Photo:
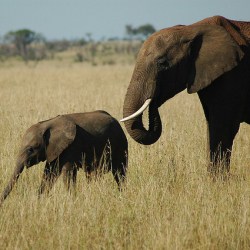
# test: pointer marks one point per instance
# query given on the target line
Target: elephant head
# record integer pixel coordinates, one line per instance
(43, 141)
(169, 61)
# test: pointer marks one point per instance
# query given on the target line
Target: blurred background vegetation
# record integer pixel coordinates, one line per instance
(28, 45)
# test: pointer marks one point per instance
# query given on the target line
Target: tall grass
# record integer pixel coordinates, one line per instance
(169, 201)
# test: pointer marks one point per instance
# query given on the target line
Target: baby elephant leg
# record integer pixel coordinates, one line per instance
(119, 158)
(69, 171)
(119, 168)
(50, 175)
(119, 175)
(88, 176)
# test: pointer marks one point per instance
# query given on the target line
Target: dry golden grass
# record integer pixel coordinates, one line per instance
(169, 201)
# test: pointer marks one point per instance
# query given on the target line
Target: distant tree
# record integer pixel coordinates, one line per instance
(21, 39)
(141, 32)
(82, 42)
(89, 37)
(58, 45)
(130, 31)
(145, 30)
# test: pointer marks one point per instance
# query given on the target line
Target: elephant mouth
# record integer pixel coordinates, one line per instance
(30, 162)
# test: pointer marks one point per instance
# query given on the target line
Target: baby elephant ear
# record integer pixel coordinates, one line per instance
(58, 136)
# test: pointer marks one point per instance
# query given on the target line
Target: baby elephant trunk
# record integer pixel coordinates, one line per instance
(18, 170)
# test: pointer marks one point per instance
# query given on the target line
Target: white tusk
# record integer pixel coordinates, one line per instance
(138, 112)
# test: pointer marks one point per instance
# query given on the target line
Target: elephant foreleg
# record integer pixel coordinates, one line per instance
(50, 175)
(221, 138)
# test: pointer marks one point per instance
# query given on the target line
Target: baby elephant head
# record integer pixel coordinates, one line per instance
(46, 141)
(33, 146)
(43, 141)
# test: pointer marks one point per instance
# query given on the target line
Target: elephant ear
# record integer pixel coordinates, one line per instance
(215, 53)
(59, 134)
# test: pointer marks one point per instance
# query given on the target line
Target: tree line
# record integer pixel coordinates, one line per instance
(30, 45)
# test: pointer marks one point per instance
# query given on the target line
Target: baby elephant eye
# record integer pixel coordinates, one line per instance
(30, 150)
(162, 60)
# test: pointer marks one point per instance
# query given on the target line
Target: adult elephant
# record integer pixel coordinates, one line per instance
(210, 58)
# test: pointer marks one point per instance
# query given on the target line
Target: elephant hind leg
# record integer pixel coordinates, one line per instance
(88, 174)
(119, 177)
(119, 168)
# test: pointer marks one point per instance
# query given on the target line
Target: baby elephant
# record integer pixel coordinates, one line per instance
(93, 141)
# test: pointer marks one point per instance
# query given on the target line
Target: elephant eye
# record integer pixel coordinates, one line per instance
(162, 61)
(30, 150)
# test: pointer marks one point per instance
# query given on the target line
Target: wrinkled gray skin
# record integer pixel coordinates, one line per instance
(210, 58)
(94, 141)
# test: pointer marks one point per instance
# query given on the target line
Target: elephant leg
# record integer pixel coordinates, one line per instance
(119, 168)
(89, 170)
(119, 176)
(50, 175)
(208, 146)
(74, 175)
(88, 174)
(223, 107)
(221, 136)
(69, 174)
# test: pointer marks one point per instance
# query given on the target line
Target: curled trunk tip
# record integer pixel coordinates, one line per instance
(137, 130)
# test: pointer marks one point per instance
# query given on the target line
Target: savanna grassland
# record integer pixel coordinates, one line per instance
(169, 201)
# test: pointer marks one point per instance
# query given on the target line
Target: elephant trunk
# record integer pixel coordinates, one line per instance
(18, 170)
(135, 126)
